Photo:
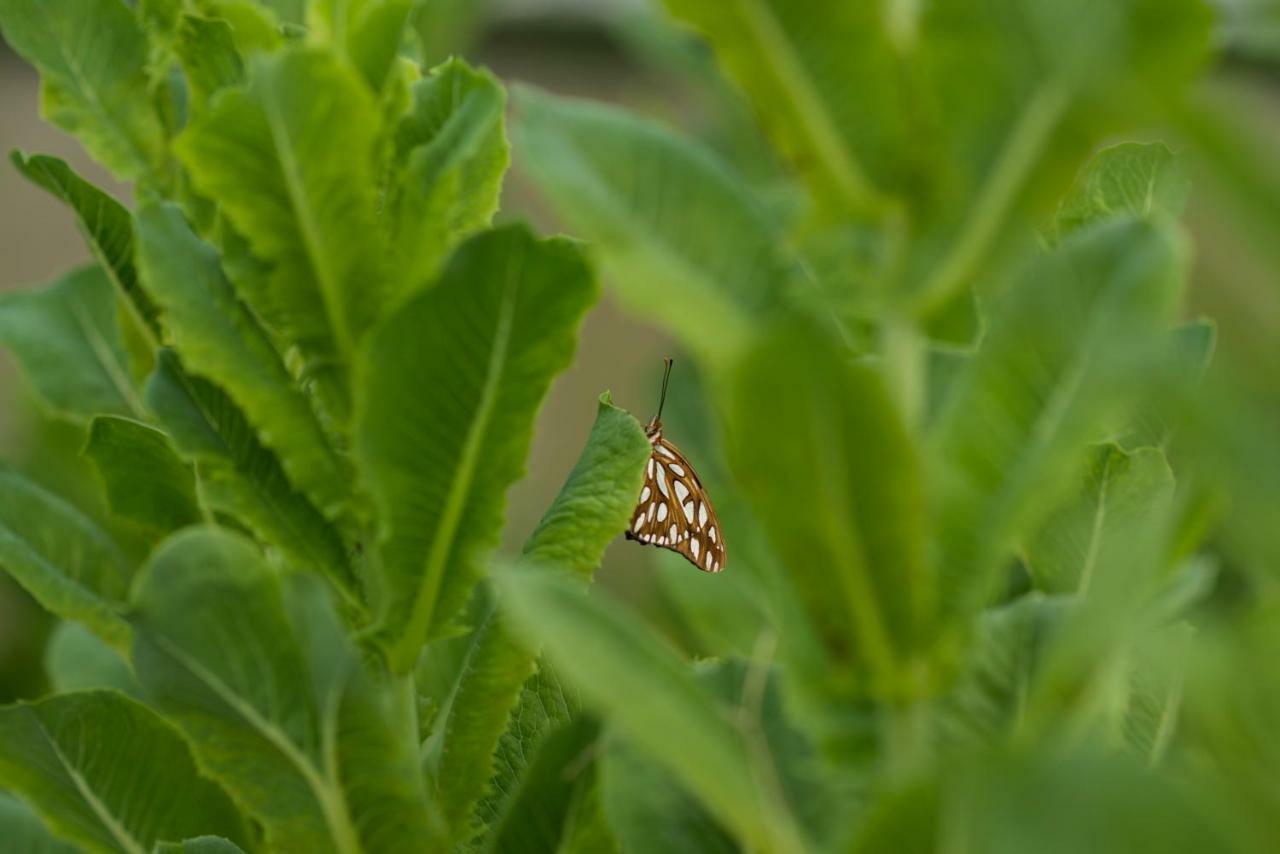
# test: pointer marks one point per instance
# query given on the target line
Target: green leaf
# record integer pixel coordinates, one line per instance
(107, 229)
(451, 154)
(1068, 349)
(65, 338)
(594, 504)
(650, 695)
(439, 445)
(77, 660)
(220, 339)
(92, 56)
(22, 830)
(681, 237)
(287, 717)
(200, 845)
(853, 539)
(1118, 493)
(207, 50)
(238, 476)
(290, 161)
(62, 558)
(1140, 180)
(145, 481)
(108, 774)
(375, 36)
(253, 26)
(799, 67)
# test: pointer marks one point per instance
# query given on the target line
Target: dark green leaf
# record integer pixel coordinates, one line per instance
(65, 754)
(65, 338)
(78, 660)
(62, 558)
(286, 717)
(145, 481)
(91, 55)
(207, 50)
(439, 445)
(22, 830)
(237, 475)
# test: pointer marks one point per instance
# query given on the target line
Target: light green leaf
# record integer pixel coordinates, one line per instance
(78, 660)
(801, 66)
(681, 237)
(853, 539)
(1118, 494)
(439, 445)
(107, 229)
(253, 25)
(220, 339)
(238, 476)
(594, 504)
(22, 829)
(1139, 180)
(375, 36)
(144, 479)
(451, 154)
(206, 47)
(1070, 346)
(92, 55)
(290, 162)
(651, 696)
(286, 717)
(62, 558)
(65, 338)
(108, 774)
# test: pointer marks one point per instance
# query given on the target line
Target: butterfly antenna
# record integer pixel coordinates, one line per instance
(666, 375)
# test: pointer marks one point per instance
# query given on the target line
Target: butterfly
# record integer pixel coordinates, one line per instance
(673, 511)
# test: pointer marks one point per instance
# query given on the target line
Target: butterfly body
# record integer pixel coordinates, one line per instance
(673, 511)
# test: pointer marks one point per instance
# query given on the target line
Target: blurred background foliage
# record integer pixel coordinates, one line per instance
(983, 309)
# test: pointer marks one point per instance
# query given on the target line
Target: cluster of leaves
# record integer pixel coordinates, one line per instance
(307, 370)
(969, 604)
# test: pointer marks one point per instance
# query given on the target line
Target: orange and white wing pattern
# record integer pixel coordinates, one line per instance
(673, 511)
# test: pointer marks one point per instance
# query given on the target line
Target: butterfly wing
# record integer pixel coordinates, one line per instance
(674, 512)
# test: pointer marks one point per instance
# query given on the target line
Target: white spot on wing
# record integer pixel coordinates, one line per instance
(678, 469)
(682, 491)
(662, 513)
(702, 513)
(635, 526)
(644, 494)
(650, 468)
(693, 547)
(688, 512)
(662, 482)
(652, 509)
(664, 450)
(673, 533)
(711, 532)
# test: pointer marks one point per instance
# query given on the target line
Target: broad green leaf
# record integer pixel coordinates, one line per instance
(1118, 492)
(65, 338)
(652, 698)
(78, 660)
(286, 717)
(451, 154)
(1139, 180)
(22, 830)
(370, 31)
(1069, 347)
(681, 237)
(438, 446)
(827, 83)
(219, 339)
(1190, 350)
(206, 48)
(290, 161)
(236, 475)
(853, 538)
(143, 477)
(253, 26)
(91, 55)
(594, 504)
(65, 755)
(107, 229)
(62, 558)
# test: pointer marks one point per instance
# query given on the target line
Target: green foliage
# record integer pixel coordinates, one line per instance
(1002, 545)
